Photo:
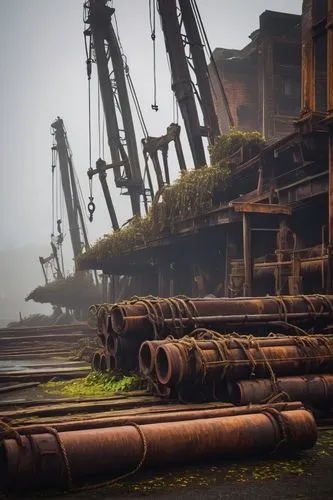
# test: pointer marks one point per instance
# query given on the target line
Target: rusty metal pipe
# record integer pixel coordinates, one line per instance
(147, 355)
(162, 416)
(133, 318)
(112, 343)
(110, 452)
(177, 362)
(315, 390)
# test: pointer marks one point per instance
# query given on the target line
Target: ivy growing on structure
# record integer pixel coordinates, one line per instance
(194, 193)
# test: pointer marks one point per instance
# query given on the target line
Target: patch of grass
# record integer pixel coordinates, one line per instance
(95, 384)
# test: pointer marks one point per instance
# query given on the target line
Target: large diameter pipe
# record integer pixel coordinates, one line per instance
(126, 351)
(111, 452)
(162, 417)
(315, 391)
(147, 355)
(139, 317)
(177, 362)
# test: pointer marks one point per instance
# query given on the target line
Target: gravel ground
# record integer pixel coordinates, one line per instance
(308, 475)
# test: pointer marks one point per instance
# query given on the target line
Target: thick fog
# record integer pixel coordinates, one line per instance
(43, 75)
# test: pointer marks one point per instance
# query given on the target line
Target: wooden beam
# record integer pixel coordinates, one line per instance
(247, 287)
(260, 208)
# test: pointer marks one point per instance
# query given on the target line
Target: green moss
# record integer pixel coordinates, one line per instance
(95, 384)
(193, 194)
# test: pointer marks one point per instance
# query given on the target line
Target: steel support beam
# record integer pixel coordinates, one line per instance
(247, 287)
(100, 167)
(181, 79)
(201, 69)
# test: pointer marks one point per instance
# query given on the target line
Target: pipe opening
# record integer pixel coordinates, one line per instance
(103, 364)
(112, 343)
(162, 365)
(117, 319)
(146, 358)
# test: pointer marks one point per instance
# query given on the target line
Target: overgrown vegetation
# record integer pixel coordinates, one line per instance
(94, 384)
(193, 194)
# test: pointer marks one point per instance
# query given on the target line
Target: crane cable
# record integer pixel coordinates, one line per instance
(53, 166)
(152, 21)
(99, 120)
(91, 205)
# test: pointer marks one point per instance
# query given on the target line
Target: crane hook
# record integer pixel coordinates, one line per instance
(91, 208)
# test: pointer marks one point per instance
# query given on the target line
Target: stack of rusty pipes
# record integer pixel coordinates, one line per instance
(157, 318)
(123, 327)
(243, 369)
(35, 458)
(117, 354)
(101, 360)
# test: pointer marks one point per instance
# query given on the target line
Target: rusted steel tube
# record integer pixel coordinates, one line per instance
(138, 318)
(147, 355)
(162, 416)
(116, 450)
(316, 391)
(176, 362)
(126, 352)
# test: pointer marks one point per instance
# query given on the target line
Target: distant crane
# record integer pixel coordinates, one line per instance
(62, 154)
(73, 206)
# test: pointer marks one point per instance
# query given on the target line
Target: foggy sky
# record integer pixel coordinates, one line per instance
(43, 75)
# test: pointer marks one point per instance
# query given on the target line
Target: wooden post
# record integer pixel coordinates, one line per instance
(295, 280)
(247, 287)
(226, 269)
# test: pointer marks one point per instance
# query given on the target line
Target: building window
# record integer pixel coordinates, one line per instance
(288, 96)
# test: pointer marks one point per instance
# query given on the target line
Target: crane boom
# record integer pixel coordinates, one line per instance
(106, 46)
(61, 147)
(181, 79)
(200, 68)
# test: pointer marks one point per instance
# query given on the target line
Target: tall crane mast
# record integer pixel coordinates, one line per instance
(101, 41)
(73, 207)
(173, 16)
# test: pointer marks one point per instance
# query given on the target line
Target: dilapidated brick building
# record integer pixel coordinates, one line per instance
(262, 80)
